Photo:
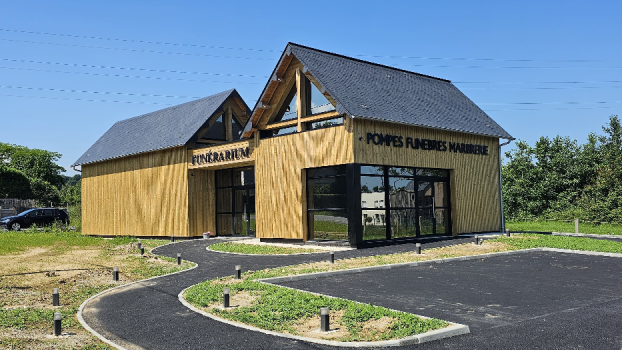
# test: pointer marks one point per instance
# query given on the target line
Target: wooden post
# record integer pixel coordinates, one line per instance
(228, 124)
(576, 225)
(301, 97)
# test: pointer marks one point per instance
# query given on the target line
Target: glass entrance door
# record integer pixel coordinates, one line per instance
(235, 202)
(433, 207)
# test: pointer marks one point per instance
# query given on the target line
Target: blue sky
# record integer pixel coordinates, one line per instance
(536, 67)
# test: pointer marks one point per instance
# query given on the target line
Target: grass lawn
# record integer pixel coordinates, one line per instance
(258, 249)
(33, 263)
(568, 227)
(525, 241)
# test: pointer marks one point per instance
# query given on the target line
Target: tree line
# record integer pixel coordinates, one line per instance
(27, 173)
(561, 179)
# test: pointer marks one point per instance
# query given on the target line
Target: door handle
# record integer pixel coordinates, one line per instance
(433, 208)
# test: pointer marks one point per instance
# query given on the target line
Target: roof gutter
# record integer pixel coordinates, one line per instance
(501, 186)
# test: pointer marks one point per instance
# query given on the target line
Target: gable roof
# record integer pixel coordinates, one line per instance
(368, 90)
(166, 128)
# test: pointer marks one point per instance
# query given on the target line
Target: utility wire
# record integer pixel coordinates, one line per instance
(126, 76)
(131, 69)
(95, 92)
(138, 50)
(87, 100)
(268, 50)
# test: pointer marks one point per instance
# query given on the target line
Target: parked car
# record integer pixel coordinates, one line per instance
(37, 216)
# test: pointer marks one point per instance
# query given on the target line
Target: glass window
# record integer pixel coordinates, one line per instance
(433, 172)
(374, 225)
(401, 172)
(338, 170)
(223, 178)
(319, 102)
(327, 193)
(328, 225)
(372, 170)
(402, 192)
(48, 212)
(364, 204)
(403, 223)
(325, 123)
(223, 200)
(424, 194)
(216, 131)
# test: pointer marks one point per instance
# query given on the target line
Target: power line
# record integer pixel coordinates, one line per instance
(545, 103)
(268, 50)
(132, 69)
(86, 100)
(95, 92)
(126, 76)
(138, 50)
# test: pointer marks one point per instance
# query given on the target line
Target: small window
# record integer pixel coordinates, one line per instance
(364, 204)
(325, 123)
(381, 204)
(375, 204)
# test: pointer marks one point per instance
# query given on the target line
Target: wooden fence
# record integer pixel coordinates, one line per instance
(13, 206)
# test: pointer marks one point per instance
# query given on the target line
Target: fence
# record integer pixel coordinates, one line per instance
(13, 206)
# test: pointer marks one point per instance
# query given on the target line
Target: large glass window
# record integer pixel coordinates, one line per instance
(417, 202)
(327, 200)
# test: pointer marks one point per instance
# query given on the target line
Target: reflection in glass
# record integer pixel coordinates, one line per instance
(327, 171)
(442, 220)
(426, 223)
(441, 194)
(401, 172)
(403, 223)
(372, 170)
(327, 193)
(424, 194)
(402, 192)
(225, 224)
(328, 225)
(374, 225)
(223, 178)
(432, 172)
(223, 200)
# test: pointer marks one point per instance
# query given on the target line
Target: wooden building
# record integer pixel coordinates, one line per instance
(335, 149)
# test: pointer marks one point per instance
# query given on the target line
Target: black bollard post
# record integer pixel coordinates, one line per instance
(115, 274)
(55, 297)
(418, 248)
(225, 297)
(140, 245)
(332, 257)
(142, 250)
(507, 232)
(238, 272)
(58, 327)
(178, 258)
(172, 238)
(324, 319)
(476, 240)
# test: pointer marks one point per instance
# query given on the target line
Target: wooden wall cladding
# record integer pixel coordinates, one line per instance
(474, 179)
(201, 202)
(279, 176)
(221, 148)
(140, 195)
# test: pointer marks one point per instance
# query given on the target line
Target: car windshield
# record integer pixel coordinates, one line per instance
(26, 212)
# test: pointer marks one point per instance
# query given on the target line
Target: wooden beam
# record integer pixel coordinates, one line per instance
(309, 119)
(228, 119)
(301, 97)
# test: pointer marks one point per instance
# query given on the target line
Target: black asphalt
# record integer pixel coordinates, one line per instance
(148, 315)
(539, 300)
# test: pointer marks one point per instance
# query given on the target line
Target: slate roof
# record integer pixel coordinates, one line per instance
(166, 128)
(368, 90)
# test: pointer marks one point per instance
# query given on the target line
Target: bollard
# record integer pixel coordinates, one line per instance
(172, 238)
(418, 248)
(225, 297)
(332, 257)
(238, 272)
(58, 319)
(476, 240)
(140, 245)
(507, 232)
(576, 225)
(324, 319)
(55, 297)
(142, 250)
(178, 258)
(115, 274)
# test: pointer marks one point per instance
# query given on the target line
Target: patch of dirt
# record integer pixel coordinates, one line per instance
(372, 328)
(310, 327)
(240, 299)
(30, 339)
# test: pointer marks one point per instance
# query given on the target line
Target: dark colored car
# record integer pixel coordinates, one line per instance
(38, 216)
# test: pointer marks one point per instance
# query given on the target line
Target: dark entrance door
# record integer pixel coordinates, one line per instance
(235, 202)
(433, 207)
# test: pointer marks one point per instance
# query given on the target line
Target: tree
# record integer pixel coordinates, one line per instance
(34, 163)
(14, 183)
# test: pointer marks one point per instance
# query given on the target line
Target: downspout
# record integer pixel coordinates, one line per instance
(501, 187)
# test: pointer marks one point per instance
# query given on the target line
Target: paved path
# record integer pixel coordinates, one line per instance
(148, 315)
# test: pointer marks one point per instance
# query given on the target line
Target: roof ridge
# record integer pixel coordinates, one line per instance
(369, 62)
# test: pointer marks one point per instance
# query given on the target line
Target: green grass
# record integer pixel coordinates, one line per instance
(526, 241)
(568, 227)
(258, 249)
(329, 226)
(15, 242)
(279, 309)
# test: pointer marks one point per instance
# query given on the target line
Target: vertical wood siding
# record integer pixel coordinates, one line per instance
(141, 195)
(279, 163)
(201, 202)
(474, 179)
